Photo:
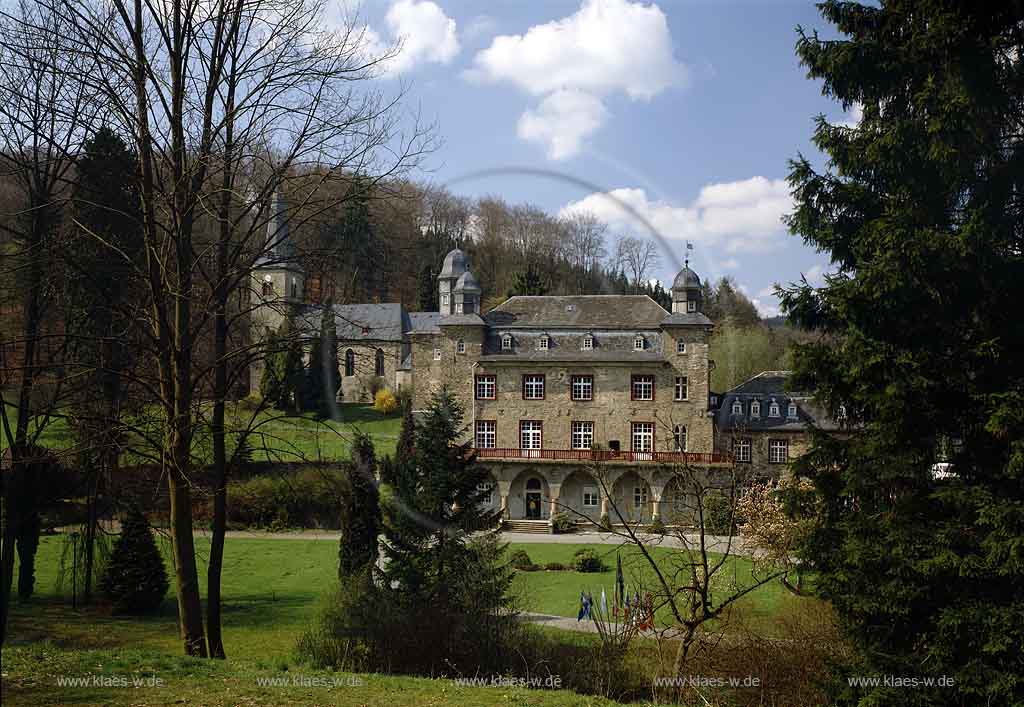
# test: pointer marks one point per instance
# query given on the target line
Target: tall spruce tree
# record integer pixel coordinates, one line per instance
(323, 378)
(436, 501)
(921, 213)
(360, 517)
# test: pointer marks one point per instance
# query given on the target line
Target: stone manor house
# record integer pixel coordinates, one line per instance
(558, 390)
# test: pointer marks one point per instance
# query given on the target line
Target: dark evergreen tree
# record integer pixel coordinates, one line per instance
(284, 377)
(426, 289)
(271, 380)
(528, 282)
(360, 517)
(919, 344)
(323, 378)
(135, 580)
(436, 501)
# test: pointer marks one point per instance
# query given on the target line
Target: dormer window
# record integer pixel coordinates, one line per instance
(737, 407)
(691, 306)
(791, 411)
(638, 343)
(755, 408)
(773, 409)
(681, 347)
(544, 343)
(460, 346)
(506, 342)
(588, 343)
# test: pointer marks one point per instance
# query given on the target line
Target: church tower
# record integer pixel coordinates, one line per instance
(687, 297)
(278, 281)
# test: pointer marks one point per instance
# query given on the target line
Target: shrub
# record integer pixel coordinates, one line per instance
(520, 560)
(385, 402)
(586, 560)
(404, 397)
(656, 527)
(555, 567)
(135, 579)
(717, 512)
(561, 523)
(307, 499)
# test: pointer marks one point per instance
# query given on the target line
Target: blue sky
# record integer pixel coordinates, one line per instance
(686, 111)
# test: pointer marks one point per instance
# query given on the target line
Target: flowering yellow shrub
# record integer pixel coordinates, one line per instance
(385, 401)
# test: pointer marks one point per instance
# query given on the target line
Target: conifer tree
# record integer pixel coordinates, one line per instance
(918, 531)
(360, 518)
(135, 580)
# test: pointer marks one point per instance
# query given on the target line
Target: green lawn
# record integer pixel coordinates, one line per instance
(277, 436)
(558, 592)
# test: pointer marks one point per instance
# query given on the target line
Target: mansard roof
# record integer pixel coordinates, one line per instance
(767, 387)
(424, 323)
(354, 322)
(633, 312)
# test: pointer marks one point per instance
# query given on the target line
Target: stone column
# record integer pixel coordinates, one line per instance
(504, 490)
(555, 491)
(656, 493)
(504, 506)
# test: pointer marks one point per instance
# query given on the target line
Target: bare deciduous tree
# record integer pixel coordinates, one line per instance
(638, 257)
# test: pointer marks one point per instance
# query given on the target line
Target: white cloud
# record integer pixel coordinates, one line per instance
(480, 26)
(562, 121)
(605, 47)
(735, 217)
(853, 116)
(765, 307)
(426, 33)
(816, 276)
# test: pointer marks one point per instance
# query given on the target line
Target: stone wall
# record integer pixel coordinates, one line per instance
(358, 387)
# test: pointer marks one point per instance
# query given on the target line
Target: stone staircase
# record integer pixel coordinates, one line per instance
(527, 526)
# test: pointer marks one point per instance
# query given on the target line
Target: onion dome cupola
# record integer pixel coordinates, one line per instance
(466, 295)
(453, 268)
(686, 292)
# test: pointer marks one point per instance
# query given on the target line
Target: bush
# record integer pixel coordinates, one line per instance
(586, 560)
(556, 567)
(717, 510)
(561, 523)
(385, 402)
(520, 560)
(309, 498)
(135, 580)
(404, 397)
(656, 527)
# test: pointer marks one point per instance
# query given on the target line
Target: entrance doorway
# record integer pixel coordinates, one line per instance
(533, 499)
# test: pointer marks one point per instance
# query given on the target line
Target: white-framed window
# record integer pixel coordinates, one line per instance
(741, 449)
(437, 354)
(444, 300)
(588, 343)
(295, 288)
(682, 390)
(639, 497)
(531, 435)
(643, 388)
(582, 435)
(737, 407)
(590, 497)
(487, 489)
(778, 451)
(773, 409)
(486, 387)
(582, 387)
(638, 343)
(643, 437)
(679, 434)
(506, 342)
(681, 347)
(460, 346)
(791, 411)
(486, 434)
(544, 343)
(268, 288)
(533, 387)
(458, 307)
(755, 408)
(691, 306)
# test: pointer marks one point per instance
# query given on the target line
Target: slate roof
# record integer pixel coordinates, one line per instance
(577, 357)
(461, 320)
(578, 312)
(424, 323)
(686, 319)
(685, 280)
(372, 322)
(766, 387)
